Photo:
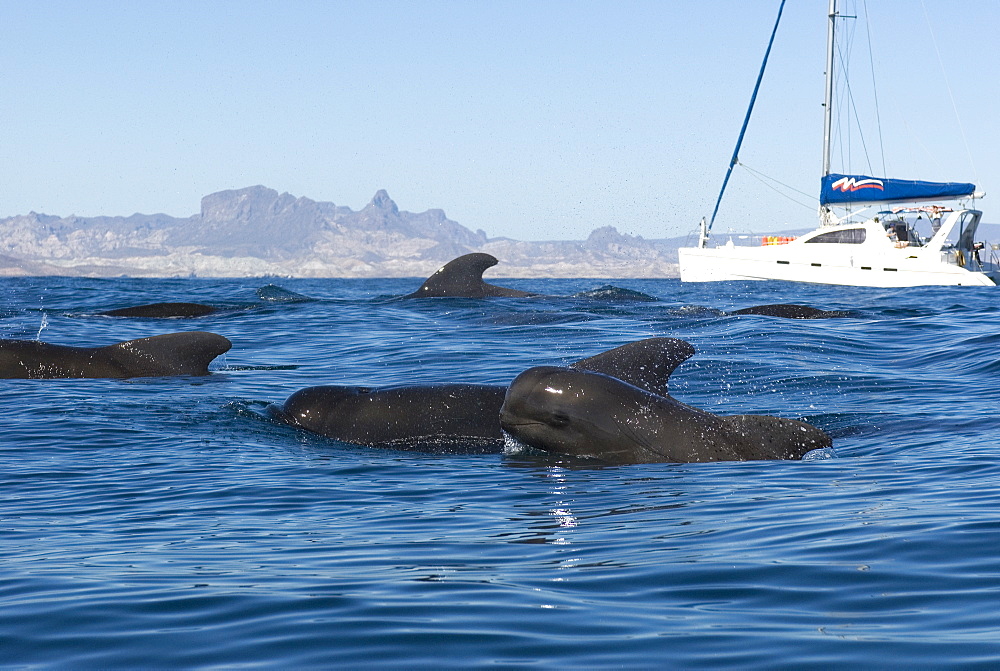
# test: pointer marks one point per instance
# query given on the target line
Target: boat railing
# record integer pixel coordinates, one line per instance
(993, 249)
(743, 239)
(973, 259)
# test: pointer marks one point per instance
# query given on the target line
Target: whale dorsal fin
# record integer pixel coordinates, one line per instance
(186, 353)
(463, 277)
(646, 364)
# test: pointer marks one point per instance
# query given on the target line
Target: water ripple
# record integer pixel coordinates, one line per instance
(170, 523)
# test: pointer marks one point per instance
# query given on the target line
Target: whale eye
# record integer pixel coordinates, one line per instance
(558, 419)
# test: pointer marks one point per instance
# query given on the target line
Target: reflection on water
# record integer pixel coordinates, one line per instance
(563, 514)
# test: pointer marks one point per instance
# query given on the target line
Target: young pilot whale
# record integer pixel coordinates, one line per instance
(592, 415)
(170, 354)
(460, 417)
(463, 277)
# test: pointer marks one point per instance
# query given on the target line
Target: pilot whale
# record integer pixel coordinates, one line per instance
(162, 310)
(455, 417)
(463, 277)
(592, 415)
(186, 353)
(791, 311)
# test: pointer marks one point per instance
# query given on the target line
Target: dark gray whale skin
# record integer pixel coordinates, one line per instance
(463, 278)
(595, 416)
(790, 311)
(454, 417)
(461, 415)
(186, 353)
(162, 310)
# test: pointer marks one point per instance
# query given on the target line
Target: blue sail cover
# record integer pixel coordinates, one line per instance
(855, 189)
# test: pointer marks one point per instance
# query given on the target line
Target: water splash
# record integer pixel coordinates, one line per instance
(512, 446)
(819, 454)
(42, 326)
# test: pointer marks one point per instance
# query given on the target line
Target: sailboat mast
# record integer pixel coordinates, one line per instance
(828, 103)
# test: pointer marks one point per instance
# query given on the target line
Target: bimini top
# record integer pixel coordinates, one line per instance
(858, 189)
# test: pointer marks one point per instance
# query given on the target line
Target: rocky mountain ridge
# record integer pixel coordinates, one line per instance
(256, 232)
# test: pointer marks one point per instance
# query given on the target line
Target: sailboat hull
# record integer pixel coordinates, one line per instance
(825, 266)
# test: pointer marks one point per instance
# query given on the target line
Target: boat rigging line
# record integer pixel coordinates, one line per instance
(770, 182)
(857, 117)
(951, 95)
(871, 65)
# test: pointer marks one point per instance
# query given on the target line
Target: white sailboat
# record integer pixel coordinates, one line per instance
(906, 242)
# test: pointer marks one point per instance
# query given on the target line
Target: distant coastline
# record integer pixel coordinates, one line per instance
(256, 231)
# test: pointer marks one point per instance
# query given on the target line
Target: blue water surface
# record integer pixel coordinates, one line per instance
(169, 523)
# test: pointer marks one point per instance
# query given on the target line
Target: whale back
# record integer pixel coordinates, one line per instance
(791, 311)
(36, 360)
(170, 354)
(463, 277)
(162, 310)
(399, 416)
(766, 437)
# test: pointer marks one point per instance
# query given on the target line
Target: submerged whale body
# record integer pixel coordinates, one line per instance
(596, 416)
(790, 311)
(275, 294)
(170, 354)
(609, 292)
(162, 310)
(454, 417)
(463, 278)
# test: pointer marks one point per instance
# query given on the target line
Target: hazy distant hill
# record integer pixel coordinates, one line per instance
(257, 231)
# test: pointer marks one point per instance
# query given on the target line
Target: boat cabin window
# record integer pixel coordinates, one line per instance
(849, 236)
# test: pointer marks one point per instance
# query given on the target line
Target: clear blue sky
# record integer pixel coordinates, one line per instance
(534, 120)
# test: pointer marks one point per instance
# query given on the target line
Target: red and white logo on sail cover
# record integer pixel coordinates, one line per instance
(849, 184)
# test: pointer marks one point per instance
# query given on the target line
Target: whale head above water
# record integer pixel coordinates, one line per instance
(463, 278)
(596, 416)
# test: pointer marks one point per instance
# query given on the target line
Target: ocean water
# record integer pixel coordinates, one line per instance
(168, 523)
